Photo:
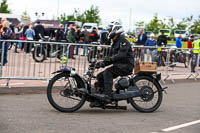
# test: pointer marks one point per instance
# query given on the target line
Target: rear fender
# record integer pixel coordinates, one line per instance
(156, 78)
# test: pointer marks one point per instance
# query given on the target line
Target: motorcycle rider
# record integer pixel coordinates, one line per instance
(121, 59)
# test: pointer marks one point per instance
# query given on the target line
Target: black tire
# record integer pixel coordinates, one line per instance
(52, 100)
(158, 89)
(39, 52)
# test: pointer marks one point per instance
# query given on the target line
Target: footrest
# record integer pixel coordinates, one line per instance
(116, 107)
(82, 90)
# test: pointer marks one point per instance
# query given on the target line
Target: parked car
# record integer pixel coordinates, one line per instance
(183, 33)
(196, 36)
(89, 26)
(167, 33)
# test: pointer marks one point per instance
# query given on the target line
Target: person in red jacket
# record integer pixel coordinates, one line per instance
(190, 41)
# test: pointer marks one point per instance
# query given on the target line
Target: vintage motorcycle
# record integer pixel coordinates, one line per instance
(42, 51)
(68, 91)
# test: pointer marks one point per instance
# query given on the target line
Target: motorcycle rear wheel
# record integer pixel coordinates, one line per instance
(151, 94)
(62, 93)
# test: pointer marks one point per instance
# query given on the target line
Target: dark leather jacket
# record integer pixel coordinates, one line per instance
(121, 54)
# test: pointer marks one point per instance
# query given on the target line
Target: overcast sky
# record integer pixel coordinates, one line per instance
(142, 10)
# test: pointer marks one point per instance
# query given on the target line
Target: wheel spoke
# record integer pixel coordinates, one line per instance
(63, 94)
(150, 97)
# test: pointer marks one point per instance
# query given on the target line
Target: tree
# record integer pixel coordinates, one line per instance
(181, 25)
(154, 25)
(4, 7)
(63, 18)
(195, 28)
(91, 15)
(171, 24)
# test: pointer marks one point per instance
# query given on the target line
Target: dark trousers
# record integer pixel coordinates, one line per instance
(194, 61)
(71, 51)
(105, 78)
(6, 44)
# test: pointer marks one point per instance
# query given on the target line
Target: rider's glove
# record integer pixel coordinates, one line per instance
(100, 64)
(108, 59)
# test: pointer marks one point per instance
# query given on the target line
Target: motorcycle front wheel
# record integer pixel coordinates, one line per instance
(151, 94)
(62, 93)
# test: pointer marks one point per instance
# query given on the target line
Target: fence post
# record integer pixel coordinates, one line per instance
(2, 57)
(197, 66)
(167, 66)
(68, 51)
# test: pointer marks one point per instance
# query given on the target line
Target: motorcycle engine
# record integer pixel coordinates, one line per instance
(122, 84)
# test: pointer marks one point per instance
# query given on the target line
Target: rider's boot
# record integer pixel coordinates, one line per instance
(95, 104)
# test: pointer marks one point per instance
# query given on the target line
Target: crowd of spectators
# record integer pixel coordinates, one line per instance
(30, 32)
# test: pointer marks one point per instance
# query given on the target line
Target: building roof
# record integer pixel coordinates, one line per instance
(50, 23)
(13, 21)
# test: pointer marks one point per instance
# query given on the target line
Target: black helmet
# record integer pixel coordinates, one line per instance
(114, 28)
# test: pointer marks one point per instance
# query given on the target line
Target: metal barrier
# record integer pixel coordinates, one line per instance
(22, 65)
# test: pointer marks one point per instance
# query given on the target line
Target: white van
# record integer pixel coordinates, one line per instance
(89, 26)
(183, 33)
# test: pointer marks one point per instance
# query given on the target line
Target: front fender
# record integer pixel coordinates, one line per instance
(71, 72)
(65, 69)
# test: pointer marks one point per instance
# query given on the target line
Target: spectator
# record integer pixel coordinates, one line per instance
(162, 40)
(196, 50)
(151, 52)
(39, 31)
(103, 35)
(6, 34)
(179, 41)
(190, 41)
(86, 35)
(18, 35)
(77, 34)
(94, 35)
(1, 24)
(60, 33)
(30, 33)
(47, 32)
(71, 37)
(142, 38)
(22, 35)
(25, 28)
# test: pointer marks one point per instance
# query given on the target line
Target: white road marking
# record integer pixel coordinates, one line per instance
(12, 84)
(180, 126)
